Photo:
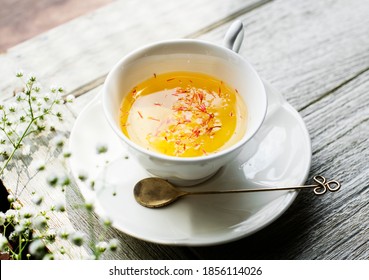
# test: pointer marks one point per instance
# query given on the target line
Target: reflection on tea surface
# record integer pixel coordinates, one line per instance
(183, 114)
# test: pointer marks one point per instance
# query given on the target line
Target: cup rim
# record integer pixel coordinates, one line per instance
(160, 156)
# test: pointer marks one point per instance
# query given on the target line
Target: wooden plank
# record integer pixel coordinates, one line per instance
(282, 45)
(305, 49)
(334, 107)
(83, 50)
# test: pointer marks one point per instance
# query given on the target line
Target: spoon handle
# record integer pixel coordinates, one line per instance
(320, 188)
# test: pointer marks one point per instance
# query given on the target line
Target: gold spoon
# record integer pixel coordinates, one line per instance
(157, 192)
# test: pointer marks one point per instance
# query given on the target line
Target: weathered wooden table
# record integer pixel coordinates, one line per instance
(316, 53)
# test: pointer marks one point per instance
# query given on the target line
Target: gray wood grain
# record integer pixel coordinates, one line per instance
(315, 53)
(305, 49)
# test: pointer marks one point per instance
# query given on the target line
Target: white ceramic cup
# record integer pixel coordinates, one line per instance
(193, 56)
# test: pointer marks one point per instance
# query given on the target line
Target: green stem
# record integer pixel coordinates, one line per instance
(16, 147)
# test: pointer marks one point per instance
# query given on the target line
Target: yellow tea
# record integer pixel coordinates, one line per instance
(183, 114)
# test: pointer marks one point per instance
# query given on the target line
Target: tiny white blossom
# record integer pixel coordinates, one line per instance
(19, 73)
(60, 207)
(32, 78)
(37, 248)
(39, 165)
(53, 88)
(3, 242)
(19, 229)
(101, 148)
(82, 175)
(46, 97)
(70, 98)
(37, 87)
(11, 198)
(113, 244)
(8, 150)
(52, 180)
(12, 107)
(27, 212)
(48, 257)
(20, 96)
(67, 153)
(51, 235)
(64, 232)
(64, 180)
(10, 214)
(101, 246)
(26, 223)
(59, 140)
(107, 221)
(77, 238)
(39, 222)
(37, 199)
(89, 204)
(2, 218)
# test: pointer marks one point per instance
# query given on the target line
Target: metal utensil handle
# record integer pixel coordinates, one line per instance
(320, 188)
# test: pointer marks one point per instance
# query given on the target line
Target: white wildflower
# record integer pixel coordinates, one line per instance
(2, 218)
(3, 242)
(64, 232)
(51, 235)
(39, 222)
(70, 98)
(26, 223)
(19, 229)
(64, 180)
(106, 221)
(37, 248)
(59, 140)
(60, 207)
(37, 199)
(32, 78)
(27, 212)
(12, 107)
(46, 97)
(19, 73)
(89, 204)
(7, 150)
(52, 180)
(101, 148)
(20, 96)
(113, 244)
(67, 153)
(102, 246)
(39, 165)
(48, 257)
(10, 215)
(77, 238)
(11, 198)
(53, 88)
(82, 175)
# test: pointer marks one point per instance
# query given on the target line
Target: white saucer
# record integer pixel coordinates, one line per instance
(283, 158)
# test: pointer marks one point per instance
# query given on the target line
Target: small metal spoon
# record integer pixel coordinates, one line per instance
(157, 192)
